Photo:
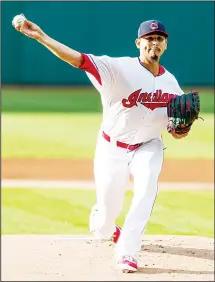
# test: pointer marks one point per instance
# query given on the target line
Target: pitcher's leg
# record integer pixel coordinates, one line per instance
(112, 179)
(145, 168)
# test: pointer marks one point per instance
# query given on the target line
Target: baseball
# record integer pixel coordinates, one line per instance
(18, 20)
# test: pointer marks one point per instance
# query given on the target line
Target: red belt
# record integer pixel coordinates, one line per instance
(121, 144)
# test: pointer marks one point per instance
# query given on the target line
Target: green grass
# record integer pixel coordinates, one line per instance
(51, 100)
(64, 211)
(49, 135)
(73, 135)
(60, 99)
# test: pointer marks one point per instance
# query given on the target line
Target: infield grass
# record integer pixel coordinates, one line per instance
(64, 211)
(73, 135)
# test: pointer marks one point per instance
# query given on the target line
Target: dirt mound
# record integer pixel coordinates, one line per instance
(68, 258)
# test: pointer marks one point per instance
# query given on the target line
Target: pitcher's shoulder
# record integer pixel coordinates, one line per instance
(125, 61)
(170, 74)
(171, 80)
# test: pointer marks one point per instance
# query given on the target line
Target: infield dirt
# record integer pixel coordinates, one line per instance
(82, 169)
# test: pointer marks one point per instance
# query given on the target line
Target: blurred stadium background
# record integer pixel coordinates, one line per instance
(106, 28)
(51, 113)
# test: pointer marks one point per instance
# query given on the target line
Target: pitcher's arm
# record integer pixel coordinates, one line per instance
(62, 51)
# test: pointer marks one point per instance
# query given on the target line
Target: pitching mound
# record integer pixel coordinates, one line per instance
(68, 258)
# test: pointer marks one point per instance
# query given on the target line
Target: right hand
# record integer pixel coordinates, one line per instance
(30, 29)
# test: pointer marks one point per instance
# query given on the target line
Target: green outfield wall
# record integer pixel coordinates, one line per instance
(106, 28)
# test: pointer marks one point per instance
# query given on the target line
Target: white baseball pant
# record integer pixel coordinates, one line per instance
(112, 168)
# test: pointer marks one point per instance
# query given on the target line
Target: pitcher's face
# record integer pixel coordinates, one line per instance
(152, 46)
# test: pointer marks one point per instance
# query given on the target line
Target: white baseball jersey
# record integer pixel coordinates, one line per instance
(134, 100)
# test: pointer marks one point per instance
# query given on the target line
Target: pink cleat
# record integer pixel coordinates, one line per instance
(128, 264)
(116, 234)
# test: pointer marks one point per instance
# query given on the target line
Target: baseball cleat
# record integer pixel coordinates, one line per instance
(128, 264)
(116, 234)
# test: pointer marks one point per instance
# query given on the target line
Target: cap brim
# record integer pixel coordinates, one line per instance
(155, 31)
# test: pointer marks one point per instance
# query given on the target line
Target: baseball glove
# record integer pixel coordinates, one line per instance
(182, 111)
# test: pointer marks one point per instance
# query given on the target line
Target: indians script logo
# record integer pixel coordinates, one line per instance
(152, 101)
(154, 25)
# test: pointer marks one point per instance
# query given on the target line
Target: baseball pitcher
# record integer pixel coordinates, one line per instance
(140, 99)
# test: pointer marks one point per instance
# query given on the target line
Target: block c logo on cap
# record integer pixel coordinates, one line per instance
(154, 25)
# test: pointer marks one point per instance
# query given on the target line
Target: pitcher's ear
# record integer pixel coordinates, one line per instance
(137, 42)
(166, 44)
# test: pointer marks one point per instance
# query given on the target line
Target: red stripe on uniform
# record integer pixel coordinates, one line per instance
(89, 66)
(153, 106)
(161, 70)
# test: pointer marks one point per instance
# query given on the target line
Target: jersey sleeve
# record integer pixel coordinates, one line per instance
(99, 69)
